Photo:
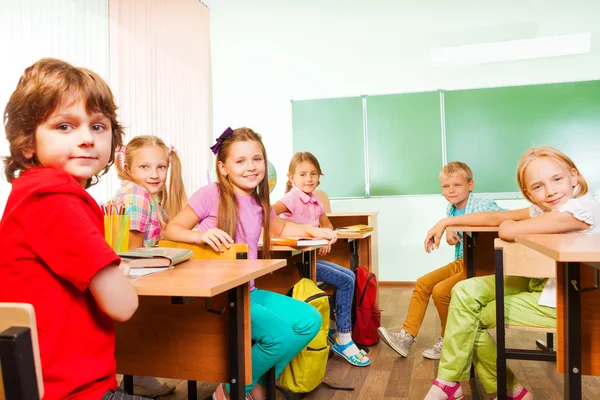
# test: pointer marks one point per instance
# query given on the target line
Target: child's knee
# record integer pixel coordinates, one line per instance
(460, 289)
(422, 285)
(314, 321)
(440, 294)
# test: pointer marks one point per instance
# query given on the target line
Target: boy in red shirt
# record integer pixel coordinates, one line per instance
(62, 128)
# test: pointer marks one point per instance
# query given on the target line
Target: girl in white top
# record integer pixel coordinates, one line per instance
(561, 203)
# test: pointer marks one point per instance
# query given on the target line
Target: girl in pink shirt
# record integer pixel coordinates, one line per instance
(235, 210)
(301, 206)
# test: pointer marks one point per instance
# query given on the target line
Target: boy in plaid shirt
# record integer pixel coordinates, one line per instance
(457, 183)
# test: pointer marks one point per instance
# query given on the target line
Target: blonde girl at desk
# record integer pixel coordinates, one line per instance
(235, 210)
(143, 165)
(302, 206)
(561, 203)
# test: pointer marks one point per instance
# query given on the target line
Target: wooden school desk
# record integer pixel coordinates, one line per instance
(351, 249)
(193, 323)
(301, 263)
(577, 259)
(478, 248)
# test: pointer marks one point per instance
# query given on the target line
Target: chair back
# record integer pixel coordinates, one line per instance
(236, 251)
(21, 372)
(520, 260)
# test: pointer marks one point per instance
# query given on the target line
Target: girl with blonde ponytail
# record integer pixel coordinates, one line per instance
(150, 199)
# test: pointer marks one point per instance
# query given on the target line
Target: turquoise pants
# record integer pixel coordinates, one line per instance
(472, 311)
(281, 327)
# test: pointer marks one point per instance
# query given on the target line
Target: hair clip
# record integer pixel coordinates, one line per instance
(224, 136)
(172, 149)
(121, 156)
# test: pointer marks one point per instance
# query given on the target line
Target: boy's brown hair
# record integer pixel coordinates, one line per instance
(457, 167)
(39, 92)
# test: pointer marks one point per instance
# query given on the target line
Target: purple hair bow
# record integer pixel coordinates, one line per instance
(224, 136)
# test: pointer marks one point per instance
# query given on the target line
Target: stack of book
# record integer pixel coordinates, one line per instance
(355, 229)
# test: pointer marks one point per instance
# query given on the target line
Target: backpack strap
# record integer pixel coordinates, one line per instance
(329, 386)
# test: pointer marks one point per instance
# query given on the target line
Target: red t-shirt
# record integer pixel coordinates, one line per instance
(52, 241)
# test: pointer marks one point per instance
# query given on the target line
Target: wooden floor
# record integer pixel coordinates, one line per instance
(392, 377)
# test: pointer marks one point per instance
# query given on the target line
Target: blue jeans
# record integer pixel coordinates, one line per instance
(281, 327)
(343, 280)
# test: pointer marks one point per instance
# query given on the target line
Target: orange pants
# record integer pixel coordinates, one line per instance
(437, 284)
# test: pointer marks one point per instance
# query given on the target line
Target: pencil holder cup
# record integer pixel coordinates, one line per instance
(116, 232)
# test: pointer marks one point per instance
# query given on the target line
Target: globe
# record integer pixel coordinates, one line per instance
(272, 176)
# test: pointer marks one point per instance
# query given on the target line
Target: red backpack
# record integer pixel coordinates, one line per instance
(368, 316)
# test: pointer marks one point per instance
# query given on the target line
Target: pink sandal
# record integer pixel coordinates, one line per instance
(449, 391)
(524, 395)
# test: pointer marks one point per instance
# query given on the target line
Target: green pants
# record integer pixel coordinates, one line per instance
(472, 311)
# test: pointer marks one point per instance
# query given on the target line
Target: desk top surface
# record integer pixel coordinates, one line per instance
(353, 235)
(290, 249)
(573, 247)
(463, 228)
(352, 214)
(204, 278)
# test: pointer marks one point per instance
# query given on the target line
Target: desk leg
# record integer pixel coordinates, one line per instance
(353, 244)
(468, 244)
(500, 337)
(271, 386)
(128, 384)
(572, 334)
(237, 361)
(470, 268)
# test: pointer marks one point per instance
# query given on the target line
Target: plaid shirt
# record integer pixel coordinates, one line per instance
(474, 204)
(142, 213)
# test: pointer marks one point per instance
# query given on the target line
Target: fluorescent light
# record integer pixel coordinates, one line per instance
(549, 46)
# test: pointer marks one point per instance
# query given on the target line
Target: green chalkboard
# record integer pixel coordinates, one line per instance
(332, 129)
(405, 143)
(490, 129)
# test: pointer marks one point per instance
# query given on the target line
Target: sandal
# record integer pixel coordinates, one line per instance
(360, 359)
(219, 393)
(331, 336)
(450, 391)
(523, 395)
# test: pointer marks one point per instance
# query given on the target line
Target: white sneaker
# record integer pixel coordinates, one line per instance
(399, 342)
(435, 352)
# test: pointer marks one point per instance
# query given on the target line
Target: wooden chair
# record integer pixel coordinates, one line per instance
(514, 259)
(21, 372)
(237, 251)
(324, 198)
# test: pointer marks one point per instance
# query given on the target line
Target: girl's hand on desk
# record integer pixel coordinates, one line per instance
(324, 233)
(216, 239)
(434, 235)
(324, 250)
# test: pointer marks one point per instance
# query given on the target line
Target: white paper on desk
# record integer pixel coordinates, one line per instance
(137, 272)
(548, 296)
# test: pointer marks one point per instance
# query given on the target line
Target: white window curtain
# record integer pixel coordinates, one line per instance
(158, 67)
(160, 74)
(73, 30)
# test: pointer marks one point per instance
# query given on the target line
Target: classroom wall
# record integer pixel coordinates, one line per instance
(267, 52)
